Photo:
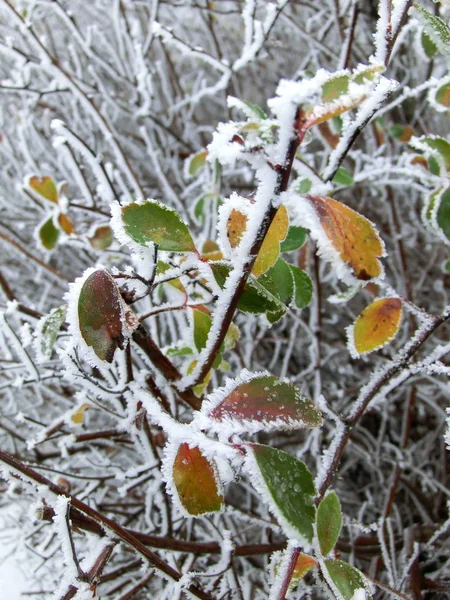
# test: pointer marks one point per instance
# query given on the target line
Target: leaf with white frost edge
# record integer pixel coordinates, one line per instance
(167, 467)
(290, 495)
(232, 409)
(46, 333)
(128, 319)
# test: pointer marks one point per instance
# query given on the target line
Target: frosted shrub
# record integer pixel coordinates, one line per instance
(224, 288)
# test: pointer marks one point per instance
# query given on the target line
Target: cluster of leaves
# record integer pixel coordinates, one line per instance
(202, 390)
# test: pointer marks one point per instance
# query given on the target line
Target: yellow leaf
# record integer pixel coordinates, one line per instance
(45, 187)
(353, 236)
(211, 251)
(270, 249)
(377, 325)
(78, 416)
(236, 226)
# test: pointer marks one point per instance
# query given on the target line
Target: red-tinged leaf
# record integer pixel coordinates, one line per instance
(346, 578)
(45, 187)
(443, 95)
(102, 238)
(376, 326)
(303, 565)
(287, 485)
(329, 522)
(261, 403)
(353, 236)
(196, 482)
(100, 315)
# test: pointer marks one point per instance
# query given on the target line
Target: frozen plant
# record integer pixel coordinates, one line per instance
(224, 297)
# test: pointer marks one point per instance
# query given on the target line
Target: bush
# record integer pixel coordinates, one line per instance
(225, 231)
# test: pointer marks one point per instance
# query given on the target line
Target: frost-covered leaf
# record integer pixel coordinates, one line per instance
(376, 326)
(341, 231)
(102, 238)
(197, 162)
(346, 578)
(236, 226)
(255, 109)
(442, 95)
(436, 28)
(437, 149)
(44, 186)
(101, 315)
(287, 486)
(335, 87)
(303, 565)
(66, 224)
(196, 481)
(47, 331)
(303, 287)
(296, 237)
(77, 417)
(304, 186)
(443, 213)
(257, 402)
(280, 279)
(256, 298)
(270, 248)
(211, 250)
(202, 325)
(329, 522)
(342, 177)
(48, 234)
(151, 221)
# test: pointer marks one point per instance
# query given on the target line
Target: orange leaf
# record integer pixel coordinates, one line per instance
(270, 249)
(66, 224)
(45, 187)
(302, 566)
(353, 236)
(196, 483)
(377, 325)
(236, 226)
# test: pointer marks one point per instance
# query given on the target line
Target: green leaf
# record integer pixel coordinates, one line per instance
(151, 221)
(263, 403)
(257, 110)
(179, 351)
(304, 186)
(256, 297)
(48, 234)
(47, 332)
(289, 485)
(281, 279)
(442, 147)
(295, 238)
(196, 481)
(303, 287)
(443, 213)
(199, 210)
(197, 162)
(346, 578)
(202, 325)
(342, 177)
(329, 522)
(435, 28)
(335, 87)
(100, 315)
(429, 47)
(44, 186)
